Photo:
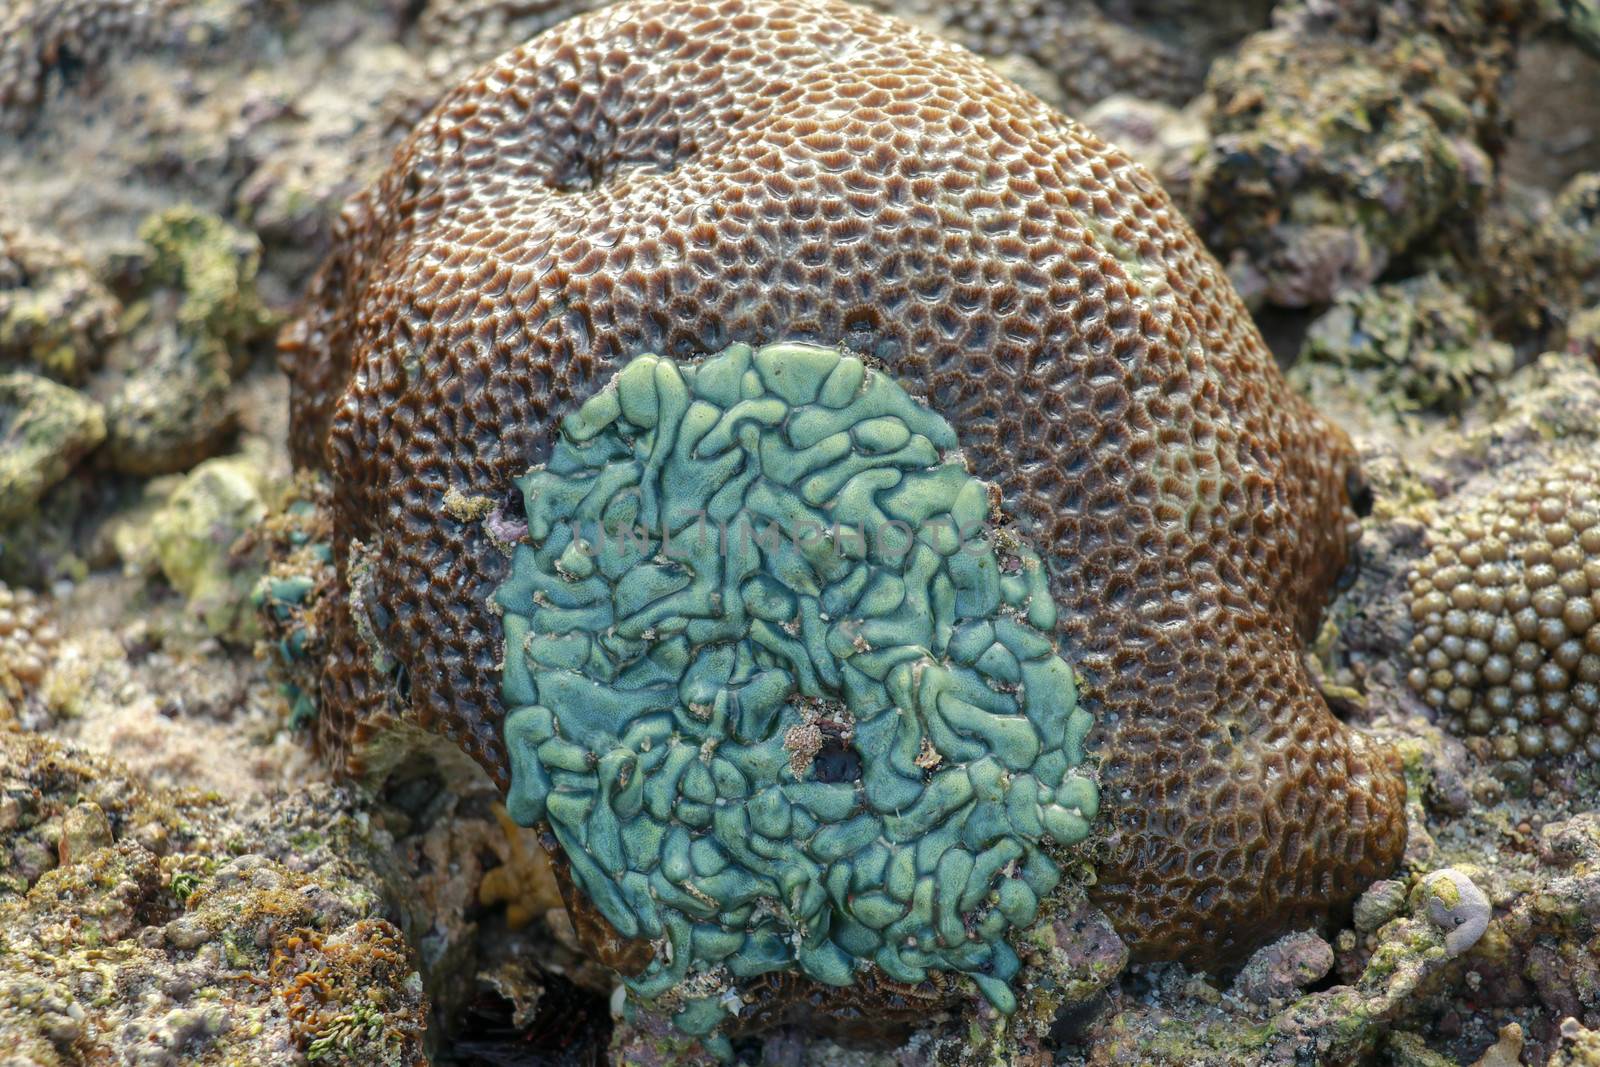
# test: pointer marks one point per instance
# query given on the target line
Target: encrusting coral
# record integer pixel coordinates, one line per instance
(757, 593)
(1507, 614)
(673, 177)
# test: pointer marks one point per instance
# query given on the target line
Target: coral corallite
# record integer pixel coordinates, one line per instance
(678, 179)
(1507, 614)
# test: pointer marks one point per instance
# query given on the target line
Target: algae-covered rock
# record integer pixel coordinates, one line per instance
(1382, 901)
(1573, 230)
(1583, 333)
(1578, 18)
(1285, 967)
(1338, 144)
(135, 927)
(1580, 1047)
(1409, 347)
(41, 41)
(45, 428)
(194, 534)
(55, 318)
(194, 314)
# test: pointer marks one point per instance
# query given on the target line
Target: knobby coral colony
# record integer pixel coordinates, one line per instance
(1507, 614)
(736, 568)
(675, 177)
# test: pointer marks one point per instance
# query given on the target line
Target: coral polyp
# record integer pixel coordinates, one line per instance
(785, 697)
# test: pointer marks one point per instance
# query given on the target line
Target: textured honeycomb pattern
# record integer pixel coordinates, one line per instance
(1507, 614)
(672, 177)
(763, 646)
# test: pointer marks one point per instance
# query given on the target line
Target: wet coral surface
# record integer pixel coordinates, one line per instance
(817, 682)
(1403, 194)
(1032, 286)
(1505, 608)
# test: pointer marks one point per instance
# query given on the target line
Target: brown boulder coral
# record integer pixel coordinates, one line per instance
(677, 178)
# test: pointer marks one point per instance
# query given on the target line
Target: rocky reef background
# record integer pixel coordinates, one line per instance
(1407, 193)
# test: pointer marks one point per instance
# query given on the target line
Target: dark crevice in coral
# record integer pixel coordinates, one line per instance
(571, 1028)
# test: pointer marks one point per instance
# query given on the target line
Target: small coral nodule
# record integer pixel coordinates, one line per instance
(1507, 614)
(771, 545)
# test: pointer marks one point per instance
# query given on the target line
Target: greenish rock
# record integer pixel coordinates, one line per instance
(1578, 18)
(188, 329)
(214, 266)
(194, 533)
(141, 924)
(1407, 347)
(786, 701)
(56, 319)
(45, 428)
(1583, 333)
(1573, 230)
(1344, 138)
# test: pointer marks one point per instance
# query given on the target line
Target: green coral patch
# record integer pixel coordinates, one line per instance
(782, 699)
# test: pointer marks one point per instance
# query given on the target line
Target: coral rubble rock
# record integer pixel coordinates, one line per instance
(45, 428)
(136, 926)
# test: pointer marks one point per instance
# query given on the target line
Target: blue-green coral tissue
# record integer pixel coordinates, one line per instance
(784, 698)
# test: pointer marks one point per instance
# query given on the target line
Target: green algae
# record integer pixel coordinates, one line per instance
(45, 428)
(781, 698)
(1409, 347)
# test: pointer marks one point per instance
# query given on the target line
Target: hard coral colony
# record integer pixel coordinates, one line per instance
(1507, 611)
(803, 264)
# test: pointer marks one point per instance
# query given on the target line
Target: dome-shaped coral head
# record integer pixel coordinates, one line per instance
(1506, 608)
(960, 307)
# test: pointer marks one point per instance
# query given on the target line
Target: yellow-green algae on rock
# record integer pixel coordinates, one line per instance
(785, 699)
